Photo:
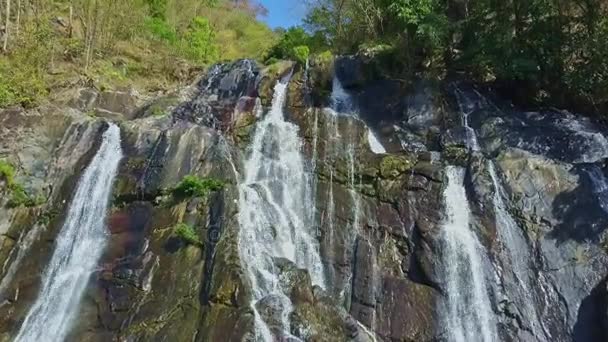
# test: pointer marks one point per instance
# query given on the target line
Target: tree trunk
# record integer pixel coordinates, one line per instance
(6, 25)
(71, 22)
(18, 21)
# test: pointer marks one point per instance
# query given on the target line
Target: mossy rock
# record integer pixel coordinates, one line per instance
(321, 76)
(160, 107)
(456, 155)
(244, 127)
(272, 73)
(392, 166)
(388, 190)
(278, 69)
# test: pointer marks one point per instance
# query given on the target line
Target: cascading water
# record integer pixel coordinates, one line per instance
(509, 233)
(276, 214)
(375, 144)
(78, 248)
(342, 103)
(467, 310)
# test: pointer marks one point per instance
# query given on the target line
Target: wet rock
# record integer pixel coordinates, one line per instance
(216, 95)
(393, 166)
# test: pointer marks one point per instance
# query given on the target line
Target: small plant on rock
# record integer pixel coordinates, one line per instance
(187, 234)
(193, 186)
(18, 196)
(7, 173)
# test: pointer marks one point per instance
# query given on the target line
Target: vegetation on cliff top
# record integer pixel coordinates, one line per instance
(550, 50)
(152, 44)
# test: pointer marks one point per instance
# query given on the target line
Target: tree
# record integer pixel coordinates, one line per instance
(200, 39)
(7, 25)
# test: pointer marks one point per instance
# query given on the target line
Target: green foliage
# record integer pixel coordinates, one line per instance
(294, 44)
(7, 173)
(419, 28)
(157, 8)
(159, 29)
(20, 198)
(412, 12)
(187, 234)
(193, 186)
(546, 47)
(151, 44)
(200, 41)
(300, 53)
(23, 77)
(239, 34)
(18, 195)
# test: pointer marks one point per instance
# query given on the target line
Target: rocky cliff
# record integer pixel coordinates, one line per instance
(535, 184)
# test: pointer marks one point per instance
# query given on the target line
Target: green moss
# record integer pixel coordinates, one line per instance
(20, 198)
(162, 107)
(18, 195)
(456, 155)
(392, 166)
(194, 186)
(7, 173)
(187, 234)
(157, 111)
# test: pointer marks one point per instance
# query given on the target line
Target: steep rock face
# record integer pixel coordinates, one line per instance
(49, 147)
(379, 217)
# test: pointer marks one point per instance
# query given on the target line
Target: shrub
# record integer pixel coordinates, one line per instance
(293, 37)
(187, 234)
(21, 198)
(300, 53)
(193, 186)
(200, 41)
(160, 30)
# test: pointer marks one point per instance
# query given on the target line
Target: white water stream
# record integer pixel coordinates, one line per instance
(509, 234)
(79, 246)
(467, 310)
(276, 215)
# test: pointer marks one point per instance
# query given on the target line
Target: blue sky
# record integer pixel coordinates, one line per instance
(284, 13)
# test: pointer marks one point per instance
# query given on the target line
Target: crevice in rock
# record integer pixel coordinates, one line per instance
(214, 230)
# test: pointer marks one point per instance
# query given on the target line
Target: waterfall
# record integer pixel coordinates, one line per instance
(374, 143)
(78, 248)
(508, 232)
(276, 213)
(518, 253)
(600, 186)
(466, 311)
(342, 103)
